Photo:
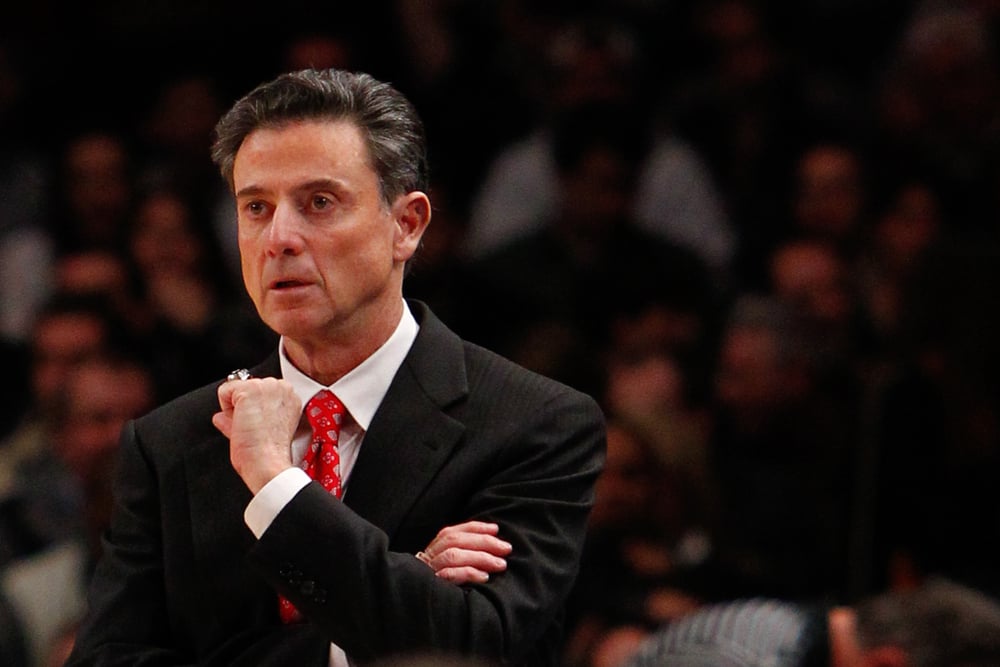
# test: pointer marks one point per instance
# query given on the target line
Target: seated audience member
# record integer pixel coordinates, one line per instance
(640, 535)
(67, 331)
(595, 62)
(938, 624)
(62, 494)
(780, 452)
(589, 260)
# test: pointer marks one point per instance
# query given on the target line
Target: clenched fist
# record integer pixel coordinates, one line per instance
(259, 416)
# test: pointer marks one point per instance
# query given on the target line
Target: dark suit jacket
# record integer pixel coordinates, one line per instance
(461, 434)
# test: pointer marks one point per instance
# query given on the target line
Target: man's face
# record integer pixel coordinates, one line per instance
(322, 254)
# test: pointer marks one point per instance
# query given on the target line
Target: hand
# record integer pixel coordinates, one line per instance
(467, 553)
(259, 416)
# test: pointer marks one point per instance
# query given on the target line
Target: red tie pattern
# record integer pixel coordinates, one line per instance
(324, 412)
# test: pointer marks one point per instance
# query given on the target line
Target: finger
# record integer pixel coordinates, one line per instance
(463, 575)
(472, 541)
(477, 559)
(484, 527)
(225, 393)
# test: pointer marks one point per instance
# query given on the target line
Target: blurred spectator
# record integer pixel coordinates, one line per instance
(93, 193)
(640, 534)
(198, 325)
(98, 398)
(175, 133)
(68, 331)
(906, 229)
(25, 246)
(63, 493)
(588, 262)
(780, 451)
(486, 56)
(951, 377)
(939, 624)
(829, 200)
(103, 275)
(938, 107)
(817, 282)
(42, 550)
(595, 62)
(747, 107)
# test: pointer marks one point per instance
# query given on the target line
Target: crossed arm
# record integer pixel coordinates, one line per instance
(259, 417)
(181, 582)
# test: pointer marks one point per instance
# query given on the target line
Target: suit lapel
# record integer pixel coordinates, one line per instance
(411, 435)
(409, 438)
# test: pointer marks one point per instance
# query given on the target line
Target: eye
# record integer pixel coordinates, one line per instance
(255, 208)
(321, 202)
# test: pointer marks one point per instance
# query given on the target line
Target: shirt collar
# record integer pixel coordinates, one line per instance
(363, 388)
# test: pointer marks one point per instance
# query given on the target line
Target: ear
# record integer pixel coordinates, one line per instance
(411, 213)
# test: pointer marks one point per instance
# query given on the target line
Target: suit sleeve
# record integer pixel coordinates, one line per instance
(374, 602)
(134, 620)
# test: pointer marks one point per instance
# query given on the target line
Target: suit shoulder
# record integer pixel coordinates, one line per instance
(186, 415)
(493, 374)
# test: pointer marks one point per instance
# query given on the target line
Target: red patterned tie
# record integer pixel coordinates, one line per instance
(322, 461)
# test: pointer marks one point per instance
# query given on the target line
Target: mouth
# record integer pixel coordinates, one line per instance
(289, 283)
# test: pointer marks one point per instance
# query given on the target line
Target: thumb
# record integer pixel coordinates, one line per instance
(224, 422)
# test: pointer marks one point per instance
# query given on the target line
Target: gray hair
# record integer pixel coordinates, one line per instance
(940, 624)
(393, 132)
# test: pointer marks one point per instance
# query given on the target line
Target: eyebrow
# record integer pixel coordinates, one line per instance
(316, 184)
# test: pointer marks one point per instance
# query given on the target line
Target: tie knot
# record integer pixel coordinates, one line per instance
(325, 411)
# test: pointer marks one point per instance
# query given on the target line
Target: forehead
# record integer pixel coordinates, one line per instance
(339, 141)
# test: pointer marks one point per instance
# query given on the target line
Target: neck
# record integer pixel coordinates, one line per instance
(328, 359)
(844, 649)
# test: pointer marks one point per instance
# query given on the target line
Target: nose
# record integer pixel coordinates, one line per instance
(284, 235)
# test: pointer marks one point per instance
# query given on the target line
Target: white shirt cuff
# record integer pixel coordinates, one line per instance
(272, 498)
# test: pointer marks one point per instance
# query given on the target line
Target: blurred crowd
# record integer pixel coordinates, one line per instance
(767, 239)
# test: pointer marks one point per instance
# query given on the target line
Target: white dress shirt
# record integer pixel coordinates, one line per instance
(361, 391)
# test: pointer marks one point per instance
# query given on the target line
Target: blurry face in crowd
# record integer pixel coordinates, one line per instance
(596, 193)
(163, 241)
(751, 380)
(623, 489)
(97, 185)
(61, 343)
(829, 196)
(909, 227)
(100, 399)
(811, 276)
(322, 254)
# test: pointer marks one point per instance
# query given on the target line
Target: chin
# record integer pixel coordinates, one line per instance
(291, 325)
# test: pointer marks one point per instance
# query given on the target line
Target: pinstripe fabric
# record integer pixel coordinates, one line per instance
(751, 633)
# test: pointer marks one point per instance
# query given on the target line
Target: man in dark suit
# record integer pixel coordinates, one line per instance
(466, 480)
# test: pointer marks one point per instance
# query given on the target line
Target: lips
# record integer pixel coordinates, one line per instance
(287, 283)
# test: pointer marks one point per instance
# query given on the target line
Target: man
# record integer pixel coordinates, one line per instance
(940, 623)
(328, 170)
